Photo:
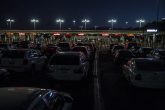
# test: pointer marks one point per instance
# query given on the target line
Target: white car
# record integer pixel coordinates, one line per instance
(145, 72)
(68, 66)
(23, 60)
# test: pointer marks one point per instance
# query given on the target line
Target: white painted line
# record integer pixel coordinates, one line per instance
(98, 100)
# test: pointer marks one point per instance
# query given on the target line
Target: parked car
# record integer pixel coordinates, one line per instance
(115, 48)
(131, 44)
(51, 49)
(26, 98)
(90, 47)
(65, 46)
(111, 46)
(23, 60)
(122, 56)
(142, 52)
(82, 49)
(145, 72)
(68, 66)
(158, 54)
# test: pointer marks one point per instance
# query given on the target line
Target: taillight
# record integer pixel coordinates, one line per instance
(25, 61)
(79, 70)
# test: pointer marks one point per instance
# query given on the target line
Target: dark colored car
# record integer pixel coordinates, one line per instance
(111, 46)
(122, 56)
(51, 49)
(143, 51)
(26, 98)
(158, 54)
(115, 48)
(64, 46)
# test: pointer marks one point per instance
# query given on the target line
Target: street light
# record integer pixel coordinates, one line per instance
(74, 22)
(112, 21)
(85, 21)
(34, 21)
(60, 21)
(140, 21)
(10, 21)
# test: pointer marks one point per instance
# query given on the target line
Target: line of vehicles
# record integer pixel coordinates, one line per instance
(61, 62)
(141, 66)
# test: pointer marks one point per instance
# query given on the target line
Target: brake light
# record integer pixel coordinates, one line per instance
(25, 61)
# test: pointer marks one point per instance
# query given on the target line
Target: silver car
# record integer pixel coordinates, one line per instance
(68, 66)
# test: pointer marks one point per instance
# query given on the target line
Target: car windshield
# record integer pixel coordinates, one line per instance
(14, 54)
(65, 60)
(150, 66)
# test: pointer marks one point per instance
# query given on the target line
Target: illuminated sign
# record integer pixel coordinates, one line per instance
(152, 30)
(81, 34)
(56, 34)
(105, 34)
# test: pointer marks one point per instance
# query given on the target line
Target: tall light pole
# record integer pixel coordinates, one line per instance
(10, 21)
(60, 21)
(85, 21)
(74, 22)
(140, 21)
(34, 21)
(95, 27)
(112, 21)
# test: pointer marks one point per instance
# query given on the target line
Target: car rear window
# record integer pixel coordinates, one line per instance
(14, 54)
(65, 60)
(150, 66)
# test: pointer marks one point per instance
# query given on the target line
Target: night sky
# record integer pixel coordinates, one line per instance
(98, 11)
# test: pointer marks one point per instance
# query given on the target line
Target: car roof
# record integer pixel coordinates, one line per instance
(18, 96)
(80, 47)
(147, 47)
(124, 50)
(69, 53)
(144, 59)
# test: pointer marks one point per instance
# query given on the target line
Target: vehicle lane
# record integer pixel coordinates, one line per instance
(118, 94)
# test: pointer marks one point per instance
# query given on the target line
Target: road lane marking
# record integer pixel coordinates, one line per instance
(98, 100)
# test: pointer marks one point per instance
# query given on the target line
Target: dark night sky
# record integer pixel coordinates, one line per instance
(98, 11)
